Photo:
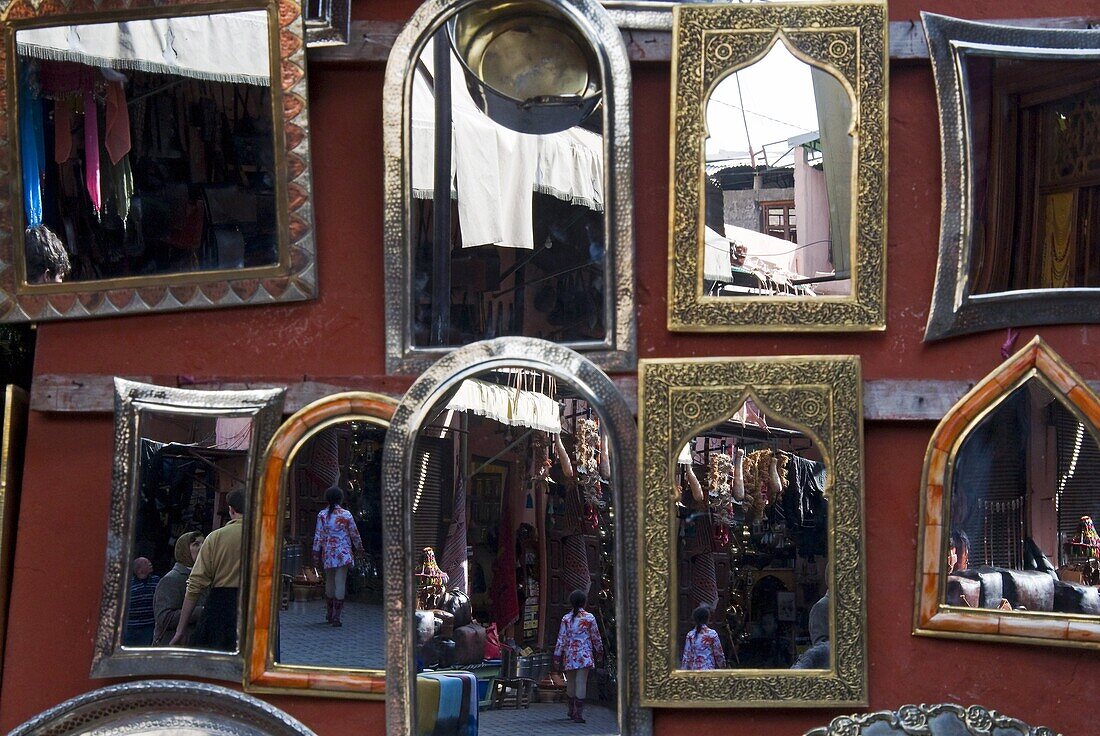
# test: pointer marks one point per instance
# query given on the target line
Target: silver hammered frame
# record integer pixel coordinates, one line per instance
(954, 310)
(136, 707)
(111, 659)
(918, 720)
(615, 416)
(678, 397)
(617, 351)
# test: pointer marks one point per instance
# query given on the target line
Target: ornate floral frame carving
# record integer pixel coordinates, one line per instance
(111, 658)
(954, 309)
(293, 278)
(711, 41)
(679, 397)
(920, 720)
(933, 617)
(262, 673)
(615, 417)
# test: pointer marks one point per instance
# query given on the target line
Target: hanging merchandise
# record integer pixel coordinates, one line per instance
(32, 144)
(587, 468)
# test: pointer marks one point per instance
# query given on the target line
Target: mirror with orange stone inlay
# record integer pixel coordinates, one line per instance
(316, 618)
(1009, 548)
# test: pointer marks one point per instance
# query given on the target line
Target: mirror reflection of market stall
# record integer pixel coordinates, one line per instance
(514, 521)
(753, 546)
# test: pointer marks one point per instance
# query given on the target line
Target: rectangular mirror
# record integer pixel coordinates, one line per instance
(779, 136)
(316, 619)
(162, 161)
(753, 565)
(1021, 192)
(176, 548)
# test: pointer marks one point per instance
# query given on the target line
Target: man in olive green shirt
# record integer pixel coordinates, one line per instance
(218, 567)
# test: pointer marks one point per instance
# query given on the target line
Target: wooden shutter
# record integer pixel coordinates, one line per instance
(431, 491)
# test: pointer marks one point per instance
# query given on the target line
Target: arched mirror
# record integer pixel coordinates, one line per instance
(1010, 548)
(779, 117)
(753, 524)
(508, 189)
(509, 531)
(316, 621)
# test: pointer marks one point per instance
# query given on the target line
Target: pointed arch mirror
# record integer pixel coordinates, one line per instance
(753, 566)
(779, 134)
(510, 506)
(1009, 551)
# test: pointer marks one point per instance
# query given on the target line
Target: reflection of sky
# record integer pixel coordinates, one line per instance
(779, 103)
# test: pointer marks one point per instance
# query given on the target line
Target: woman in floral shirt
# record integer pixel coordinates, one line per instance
(702, 648)
(579, 646)
(333, 543)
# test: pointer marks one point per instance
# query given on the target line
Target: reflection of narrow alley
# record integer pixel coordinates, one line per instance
(306, 639)
(548, 719)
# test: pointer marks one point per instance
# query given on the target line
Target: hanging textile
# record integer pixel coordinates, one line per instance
(453, 560)
(324, 462)
(117, 136)
(122, 187)
(835, 118)
(502, 591)
(508, 405)
(704, 582)
(91, 152)
(32, 145)
(575, 573)
(62, 130)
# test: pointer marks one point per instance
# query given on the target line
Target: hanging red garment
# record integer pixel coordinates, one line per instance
(62, 130)
(116, 138)
(502, 591)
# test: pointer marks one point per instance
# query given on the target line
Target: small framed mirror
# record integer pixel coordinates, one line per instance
(1009, 545)
(779, 176)
(1017, 122)
(942, 719)
(176, 545)
(753, 566)
(316, 623)
(508, 181)
(146, 179)
(509, 512)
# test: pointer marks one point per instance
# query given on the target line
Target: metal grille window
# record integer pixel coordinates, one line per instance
(431, 489)
(1078, 492)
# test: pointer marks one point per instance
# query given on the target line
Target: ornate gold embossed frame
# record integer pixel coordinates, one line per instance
(677, 399)
(955, 310)
(846, 39)
(13, 437)
(133, 400)
(262, 673)
(292, 278)
(933, 617)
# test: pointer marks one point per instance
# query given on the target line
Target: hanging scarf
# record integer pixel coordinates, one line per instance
(122, 187)
(32, 146)
(91, 152)
(62, 130)
(117, 134)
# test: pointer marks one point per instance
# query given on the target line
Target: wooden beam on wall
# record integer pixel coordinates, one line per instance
(371, 40)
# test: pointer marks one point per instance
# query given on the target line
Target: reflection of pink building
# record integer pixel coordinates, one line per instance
(811, 204)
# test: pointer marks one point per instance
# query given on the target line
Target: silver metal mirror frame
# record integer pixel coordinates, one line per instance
(138, 707)
(615, 416)
(111, 659)
(918, 720)
(954, 309)
(618, 349)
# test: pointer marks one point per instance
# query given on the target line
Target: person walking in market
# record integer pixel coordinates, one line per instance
(578, 648)
(334, 542)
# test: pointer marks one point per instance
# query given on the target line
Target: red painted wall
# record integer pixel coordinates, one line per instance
(62, 523)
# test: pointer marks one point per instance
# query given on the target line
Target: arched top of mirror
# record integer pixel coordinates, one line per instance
(520, 222)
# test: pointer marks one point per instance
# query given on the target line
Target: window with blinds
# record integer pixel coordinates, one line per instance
(431, 492)
(1078, 492)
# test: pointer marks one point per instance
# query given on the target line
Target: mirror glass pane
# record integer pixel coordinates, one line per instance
(1023, 500)
(187, 535)
(1036, 173)
(329, 611)
(147, 147)
(753, 545)
(778, 186)
(508, 181)
(514, 521)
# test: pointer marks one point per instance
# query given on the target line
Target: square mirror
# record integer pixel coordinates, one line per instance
(1021, 188)
(778, 177)
(752, 564)
(160, 160)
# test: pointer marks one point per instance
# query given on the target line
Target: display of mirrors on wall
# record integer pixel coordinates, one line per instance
(753, 565)
(508, 181)
(943, 719)
(1009, 546)
(316, 624)
(778, 167)
(509, 525)
(176, 544)
(152, 180)
(1021, 175)
(13, 436)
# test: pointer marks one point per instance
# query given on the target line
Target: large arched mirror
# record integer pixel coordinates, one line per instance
(509, 502)
(315, 626)
(508, 186)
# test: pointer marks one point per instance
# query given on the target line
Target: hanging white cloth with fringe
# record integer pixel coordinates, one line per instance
(507, 405)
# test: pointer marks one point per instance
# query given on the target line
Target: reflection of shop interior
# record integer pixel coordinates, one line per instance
(759, 564)
(512, 533)
(347, 455)
(143, 172)
(188, 466)
(1023, 487)
(519, 247)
